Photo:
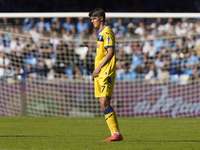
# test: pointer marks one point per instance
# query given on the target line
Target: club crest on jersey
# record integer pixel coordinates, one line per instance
(100, 38)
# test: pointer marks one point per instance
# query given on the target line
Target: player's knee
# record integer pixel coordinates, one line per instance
(105, 103)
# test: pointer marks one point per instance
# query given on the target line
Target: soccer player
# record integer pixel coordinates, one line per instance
(104, 73)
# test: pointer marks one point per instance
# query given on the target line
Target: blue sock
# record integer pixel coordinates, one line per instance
(108, 110)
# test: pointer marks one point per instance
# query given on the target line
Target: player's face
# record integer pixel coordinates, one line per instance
(96, 21)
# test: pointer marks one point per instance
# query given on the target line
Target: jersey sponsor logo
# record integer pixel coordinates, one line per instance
(98, 45)
(108, 40)
(100, 38)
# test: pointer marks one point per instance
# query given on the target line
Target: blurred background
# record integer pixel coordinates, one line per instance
(47, 63)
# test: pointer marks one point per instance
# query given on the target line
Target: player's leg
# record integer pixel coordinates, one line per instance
(111, 119)
(107, 86)
(110, 115)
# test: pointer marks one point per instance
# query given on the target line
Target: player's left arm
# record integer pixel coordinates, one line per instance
(107, 58)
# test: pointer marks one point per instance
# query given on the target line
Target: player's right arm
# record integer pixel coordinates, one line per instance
(107, 58)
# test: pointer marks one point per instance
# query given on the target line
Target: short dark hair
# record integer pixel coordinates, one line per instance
(98, 12)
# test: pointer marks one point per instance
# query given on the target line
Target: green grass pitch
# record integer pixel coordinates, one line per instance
(60, 133)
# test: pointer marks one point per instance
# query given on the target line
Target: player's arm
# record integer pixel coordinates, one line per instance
(108, 57)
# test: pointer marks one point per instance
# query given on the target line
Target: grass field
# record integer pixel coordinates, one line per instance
(55, 133)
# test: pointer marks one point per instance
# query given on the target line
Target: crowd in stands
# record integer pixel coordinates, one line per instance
(156, 50)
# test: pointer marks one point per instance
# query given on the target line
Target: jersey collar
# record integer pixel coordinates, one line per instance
(102, 29)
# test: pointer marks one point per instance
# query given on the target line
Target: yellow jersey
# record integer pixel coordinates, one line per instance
(106, 39)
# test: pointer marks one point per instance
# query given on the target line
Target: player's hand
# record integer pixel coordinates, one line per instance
(96, 73)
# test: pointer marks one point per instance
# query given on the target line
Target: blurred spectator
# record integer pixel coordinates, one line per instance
(41, 68)
(109, 22)
(137, 47)
(28, 23)
(57, 23)
(119, 70)
(155, 32)
(197, 47)
(17, 47)
(30, 73)
(1, 38)
(144, 67)
(5, 24)
(140, 29)
(54, 40)
(159, 63)
(191, 31)
(16, 75)
(61, 52)
(163, 76)
(136, 59)
(67, 36)
(77, 73)
(122, 28)
(46, 51)
(159, 26)
(81, 39)
(122, 57)
(33, 50)
(17, 23)
(82, 26)
(72, 58)
(13, 43)
(130, 30)
(186, 24)
(52, 75)
(119, 29)
(149, 50)
(2, 46)
(169, 27)
(4, 60)
(54, 27)
(179, 30)
(11, 71)
(150, 76)
(94, 34)
(197, 26)
(194, 78)
(192, 60)
(6, 48)
(175, 66)
(69, 26)
(35, 35)
(43, 26)
(158, 43)
(115, 30)
(190, 43)
(127, 47)
(29, 40)
(126, 74)
(89, 59)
